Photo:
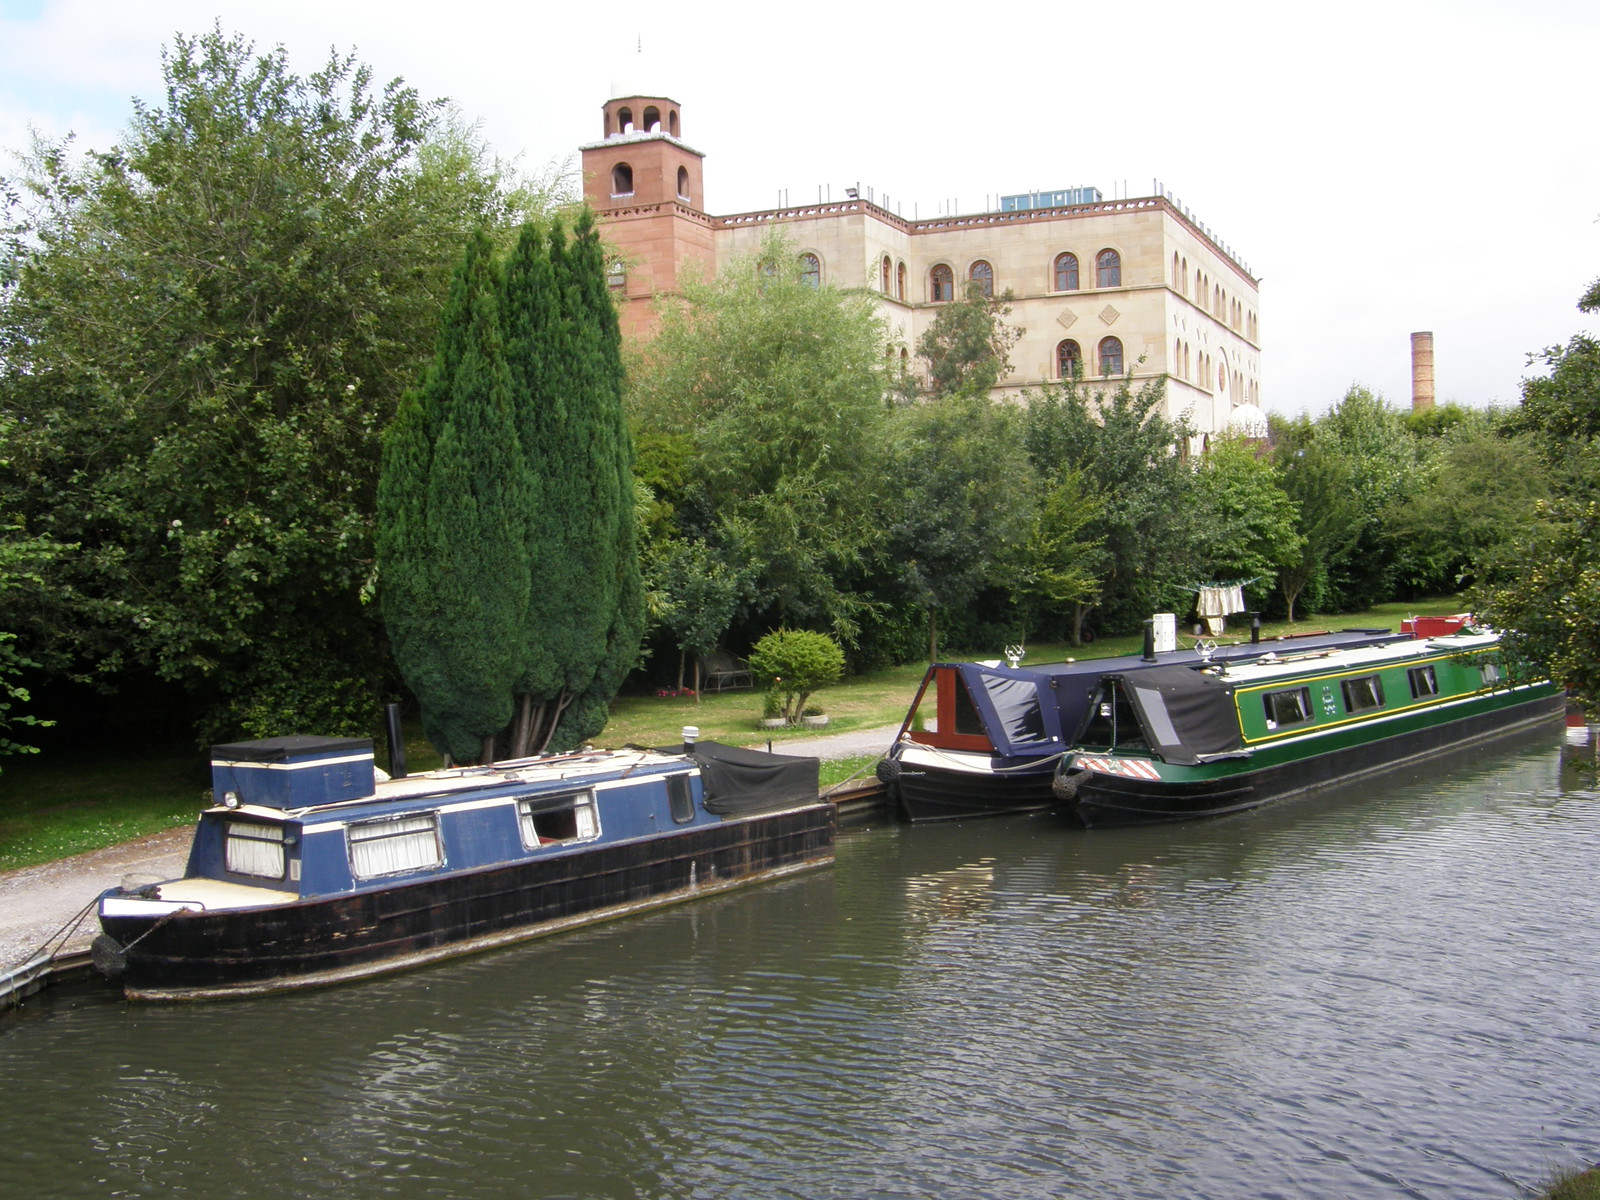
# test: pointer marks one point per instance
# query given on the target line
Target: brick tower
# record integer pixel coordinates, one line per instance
(647, 188)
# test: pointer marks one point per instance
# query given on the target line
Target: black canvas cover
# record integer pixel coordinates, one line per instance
(1187, 716)
(739, 781)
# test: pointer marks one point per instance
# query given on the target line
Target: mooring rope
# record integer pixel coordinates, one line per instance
(52, 945)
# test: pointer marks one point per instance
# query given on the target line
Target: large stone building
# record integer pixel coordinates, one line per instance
(1122, 285)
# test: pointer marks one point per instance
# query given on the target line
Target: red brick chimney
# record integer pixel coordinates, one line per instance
(1421, 371)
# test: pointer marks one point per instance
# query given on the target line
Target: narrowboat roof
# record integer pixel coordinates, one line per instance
(1237, 653)
(1321, 661)
(458, 784)
(735, 780)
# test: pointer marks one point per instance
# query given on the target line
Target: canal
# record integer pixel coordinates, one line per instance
(1391, 991)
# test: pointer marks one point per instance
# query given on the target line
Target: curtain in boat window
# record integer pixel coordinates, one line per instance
(396, 845)
(547, 819)
(252, 849)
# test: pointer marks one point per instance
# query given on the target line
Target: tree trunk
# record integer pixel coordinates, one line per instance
(549, 717)
(521, 726)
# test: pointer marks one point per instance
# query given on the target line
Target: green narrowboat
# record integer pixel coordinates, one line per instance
(1168, 743)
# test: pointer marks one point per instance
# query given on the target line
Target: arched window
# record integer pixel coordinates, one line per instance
(942, 284)
(982, 274)
(884, 269)
(652, 120)
(672, 122)
(1111, 356)
(1108, 269)
(624, 120)
(900, 283)
(1066, 273)
(1069, 359)
(622, 180)
(683, 183)
(810, 270)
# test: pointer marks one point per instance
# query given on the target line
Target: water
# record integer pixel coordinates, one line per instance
(1391, 993)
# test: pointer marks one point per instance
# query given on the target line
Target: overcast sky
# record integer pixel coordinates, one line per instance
(1381, 168)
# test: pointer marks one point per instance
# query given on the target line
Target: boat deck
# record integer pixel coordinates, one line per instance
(209, 895)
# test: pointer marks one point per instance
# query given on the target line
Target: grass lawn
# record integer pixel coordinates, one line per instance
(60, 804)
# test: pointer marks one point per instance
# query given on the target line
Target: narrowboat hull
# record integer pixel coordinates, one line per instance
(1127, 794)
(952, 786)
(315, 942)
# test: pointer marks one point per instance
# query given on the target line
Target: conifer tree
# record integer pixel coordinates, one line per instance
(613, 561)
(581, 628)
(452, 514)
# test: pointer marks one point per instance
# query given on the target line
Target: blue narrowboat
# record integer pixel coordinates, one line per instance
(312, 868)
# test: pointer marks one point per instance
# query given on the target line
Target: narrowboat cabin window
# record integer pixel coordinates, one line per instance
(252, 849)
(1362, 694)
(394, 846)
(1424, 682)
(1290, 707)
(1491, 673)
(680, 799)
(967, 719)
(566, 818)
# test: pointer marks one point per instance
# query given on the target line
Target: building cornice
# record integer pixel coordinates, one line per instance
(932, 225)
(635, 139)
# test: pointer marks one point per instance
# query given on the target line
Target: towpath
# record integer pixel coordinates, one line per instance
(37, 903)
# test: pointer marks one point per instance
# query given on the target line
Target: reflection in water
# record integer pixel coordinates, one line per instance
(1385, 993)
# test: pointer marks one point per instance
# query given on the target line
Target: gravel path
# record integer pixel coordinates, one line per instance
(840, 745)
(36, 903)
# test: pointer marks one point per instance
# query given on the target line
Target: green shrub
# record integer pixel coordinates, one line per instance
(796, 662)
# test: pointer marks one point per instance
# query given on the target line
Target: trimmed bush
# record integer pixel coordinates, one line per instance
(795, 663)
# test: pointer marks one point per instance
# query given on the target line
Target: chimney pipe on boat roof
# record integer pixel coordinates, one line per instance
(1149, 641)
(1255, 629)
(397, 744)
(691, 734)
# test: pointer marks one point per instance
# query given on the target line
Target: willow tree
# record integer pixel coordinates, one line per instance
(453, 504)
